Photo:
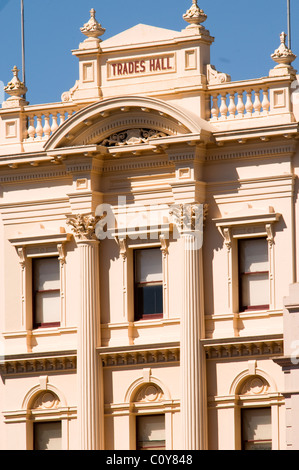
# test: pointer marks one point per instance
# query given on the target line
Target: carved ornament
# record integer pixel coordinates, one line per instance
(149, 393)
(84, 226)
(132, 137)
(46, 401)
(194, 16)
(283, 55)
(92, 29)
(215, 78)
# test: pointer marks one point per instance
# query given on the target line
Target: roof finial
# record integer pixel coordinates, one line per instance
(17, 91)
(195, 16)
(284, 57)
(92, 29)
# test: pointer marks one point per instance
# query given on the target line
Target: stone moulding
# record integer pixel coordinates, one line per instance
(150, 354)
(244, 347)
(38, 363)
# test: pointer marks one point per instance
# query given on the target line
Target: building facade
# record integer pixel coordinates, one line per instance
(148, 236)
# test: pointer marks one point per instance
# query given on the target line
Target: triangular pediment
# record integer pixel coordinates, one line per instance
(139, 34)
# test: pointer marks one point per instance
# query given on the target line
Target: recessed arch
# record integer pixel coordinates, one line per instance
(241, 378)
(102, 118)
(136, 386)
(34, 392)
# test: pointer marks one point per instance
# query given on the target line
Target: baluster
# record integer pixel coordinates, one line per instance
(39, 126)
(31, 128)
(265, 102)
(257, 102)
(215, 109)
(240, 104)
(232, 106)
(223, 106)
(249, 105)
(54, 122)
(62, 118)
(47, 128)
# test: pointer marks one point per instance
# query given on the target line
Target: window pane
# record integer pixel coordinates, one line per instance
(47, 307)
(255, 290)
(253, 255)
(47, 436)
(151, 432)
(46, 274)
(148, 265)
(149, 299)
(256, 429)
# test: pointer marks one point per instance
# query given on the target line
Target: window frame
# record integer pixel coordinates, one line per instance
(243, 410)
(137, 418)
(53, 324)
(251, 308)
(250, 223)
(136, 285)
(43, 243)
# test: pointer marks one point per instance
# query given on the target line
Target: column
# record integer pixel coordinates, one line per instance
(192, 359)
(90, 410)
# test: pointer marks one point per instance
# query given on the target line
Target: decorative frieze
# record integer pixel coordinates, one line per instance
(244, 348)
(140, 357)
(34, 363)
(132, 136)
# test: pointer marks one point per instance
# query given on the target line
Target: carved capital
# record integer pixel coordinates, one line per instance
(84, 226)
(189, 217)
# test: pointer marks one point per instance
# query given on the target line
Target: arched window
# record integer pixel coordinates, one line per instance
(150, 427)
(47, 429)
(255, 414)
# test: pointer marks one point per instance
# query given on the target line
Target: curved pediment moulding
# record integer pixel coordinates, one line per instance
(101, 120)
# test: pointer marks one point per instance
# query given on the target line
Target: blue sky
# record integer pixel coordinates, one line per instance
(246, 34)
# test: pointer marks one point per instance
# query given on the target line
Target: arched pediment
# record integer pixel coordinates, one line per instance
(117, 121)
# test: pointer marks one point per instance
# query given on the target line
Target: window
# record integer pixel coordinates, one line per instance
(150, 432)
(148, 283)
(47, 435)
(46, 292)
(253, 274)
(256, 429)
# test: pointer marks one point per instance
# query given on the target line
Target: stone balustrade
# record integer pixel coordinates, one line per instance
(245, 99)
(42, 121)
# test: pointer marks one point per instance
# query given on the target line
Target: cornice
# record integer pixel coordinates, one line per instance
(140, 355)
(232, 348)
(31, 363)
(286, 149)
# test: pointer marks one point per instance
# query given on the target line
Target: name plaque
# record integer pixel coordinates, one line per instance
(141, 66)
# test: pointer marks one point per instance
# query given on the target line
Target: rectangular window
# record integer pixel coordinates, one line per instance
(253, 274)
(150, 432)
(47, 435)
(256, 429)
(148, 283)
(46, 292)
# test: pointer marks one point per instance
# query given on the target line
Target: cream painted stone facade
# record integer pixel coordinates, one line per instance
(152, 147)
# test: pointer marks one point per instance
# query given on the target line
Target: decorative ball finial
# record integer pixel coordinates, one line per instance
(195, 16)
(92, 29)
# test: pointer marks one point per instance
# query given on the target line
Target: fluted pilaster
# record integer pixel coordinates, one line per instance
(90, 411)
(88, 369)
(189, 221)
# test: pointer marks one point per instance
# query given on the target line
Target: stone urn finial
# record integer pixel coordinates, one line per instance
(92, 29)
(283, 56)
(195, 16)
(16, 90)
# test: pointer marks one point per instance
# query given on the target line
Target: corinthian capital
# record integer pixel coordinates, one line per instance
(84, 226)
(189, 217)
